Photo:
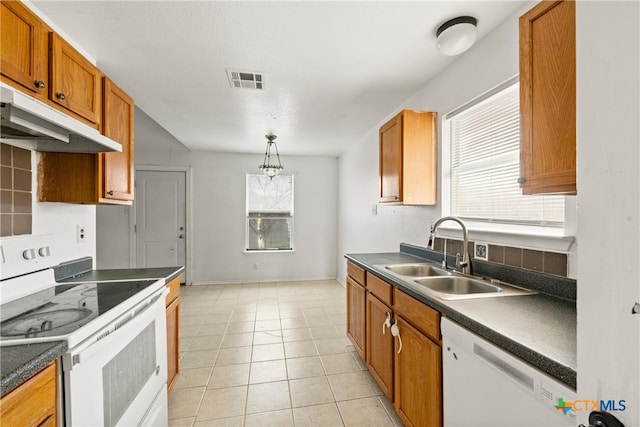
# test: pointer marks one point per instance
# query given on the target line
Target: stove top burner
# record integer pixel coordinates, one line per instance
(38, 324)
(60, 310)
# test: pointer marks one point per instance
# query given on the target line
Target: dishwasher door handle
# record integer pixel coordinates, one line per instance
(504, 366)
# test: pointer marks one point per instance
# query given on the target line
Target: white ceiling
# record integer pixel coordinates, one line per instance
(332, 70)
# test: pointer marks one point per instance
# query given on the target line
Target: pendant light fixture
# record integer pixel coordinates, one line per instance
(456, 35)
(266, 167)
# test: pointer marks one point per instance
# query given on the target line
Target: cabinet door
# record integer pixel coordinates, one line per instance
(418, 378)
(379, 345)
(173, 339)
(548, 99)
(33, 403)
(117, 124)
(75, 82)
(356, 303)
(24, 48)
(391, 160)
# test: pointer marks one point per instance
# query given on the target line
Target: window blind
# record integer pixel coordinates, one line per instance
(485, 165)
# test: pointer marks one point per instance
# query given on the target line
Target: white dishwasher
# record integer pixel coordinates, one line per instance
(484, 385)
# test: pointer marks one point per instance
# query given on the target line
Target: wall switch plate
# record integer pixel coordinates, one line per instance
(81, 233)
(374, 210)
(481, 251)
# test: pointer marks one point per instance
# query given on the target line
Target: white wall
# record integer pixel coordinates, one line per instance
(218, 218)
(217, 234)
(491, 61)
(608, 134)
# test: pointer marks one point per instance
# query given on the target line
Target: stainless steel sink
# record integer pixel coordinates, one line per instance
(417, 270)
(460, 287)
(431, 280)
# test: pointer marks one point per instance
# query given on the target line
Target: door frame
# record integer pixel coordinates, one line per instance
(133, 243)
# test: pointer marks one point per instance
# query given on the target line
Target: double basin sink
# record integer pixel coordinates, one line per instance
(449, 285)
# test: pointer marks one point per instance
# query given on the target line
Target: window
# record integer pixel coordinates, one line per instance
(485, 164)
(269, 212)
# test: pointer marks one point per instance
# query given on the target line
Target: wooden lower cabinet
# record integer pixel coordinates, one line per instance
(418, 378)
(409, 374)
(173, 333)
(379, 345)
(356, 322)
(33, 403)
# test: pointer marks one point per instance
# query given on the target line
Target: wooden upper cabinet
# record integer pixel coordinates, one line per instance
(104, 178)
(548, 99)
(408, 159)
(24, 59)
(75, 83)
(117, 123)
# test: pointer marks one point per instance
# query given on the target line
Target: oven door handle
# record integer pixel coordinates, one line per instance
(84, 352)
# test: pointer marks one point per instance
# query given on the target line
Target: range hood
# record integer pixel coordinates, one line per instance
(29, 123)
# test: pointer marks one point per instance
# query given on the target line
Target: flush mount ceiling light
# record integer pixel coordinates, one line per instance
(266, 167)
(456, 35)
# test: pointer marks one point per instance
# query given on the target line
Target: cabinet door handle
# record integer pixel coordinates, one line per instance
(395, 331)
(40, 84)
(110, 193)
(386, 323)
(181, 236)
(61, 96)
(522, 180)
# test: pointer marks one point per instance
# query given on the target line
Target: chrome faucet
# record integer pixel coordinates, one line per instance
(465, 265)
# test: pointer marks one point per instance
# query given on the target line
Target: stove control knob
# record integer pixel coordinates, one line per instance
(29, 254)
(44, 251)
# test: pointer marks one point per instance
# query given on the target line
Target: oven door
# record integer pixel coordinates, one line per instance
(119, 376)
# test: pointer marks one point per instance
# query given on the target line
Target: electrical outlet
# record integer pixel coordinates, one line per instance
(81, 234)
(255, 265)
(481, 251)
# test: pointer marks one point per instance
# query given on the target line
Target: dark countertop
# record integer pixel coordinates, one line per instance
(18, 363)
(167, 273)
(540, 329)
(21, 362)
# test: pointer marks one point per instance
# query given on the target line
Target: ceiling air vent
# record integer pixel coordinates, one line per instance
(245, 79)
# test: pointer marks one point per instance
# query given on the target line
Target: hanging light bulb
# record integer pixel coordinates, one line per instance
(266, 167)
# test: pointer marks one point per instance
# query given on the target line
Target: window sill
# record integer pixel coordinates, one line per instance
(537, 238)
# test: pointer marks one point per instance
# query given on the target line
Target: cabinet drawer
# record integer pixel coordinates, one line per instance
(174, 290)
(423, 317)
(356, 273)
(32, 403)
(380, 289)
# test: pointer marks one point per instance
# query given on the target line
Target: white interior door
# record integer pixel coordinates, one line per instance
(160, 218)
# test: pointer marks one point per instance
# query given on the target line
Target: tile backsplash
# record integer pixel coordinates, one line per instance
(15, 191)
(544, 262)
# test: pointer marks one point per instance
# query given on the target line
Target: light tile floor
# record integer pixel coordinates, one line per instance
(271, 354)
